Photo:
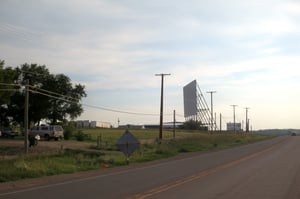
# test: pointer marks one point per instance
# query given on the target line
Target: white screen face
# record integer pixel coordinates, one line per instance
(190, 99)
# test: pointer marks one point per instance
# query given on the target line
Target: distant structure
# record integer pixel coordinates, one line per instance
(131, 126)
(195, 106)
(82, 124)
(231, 126)
(92, 124)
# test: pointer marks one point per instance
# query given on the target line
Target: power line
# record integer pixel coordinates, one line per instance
(51, 96)
(69, 99)
(92, 106)
(9, 89)
(43, 90)
(18, 32)
(6, 84)
(119, 111)
(87, 105)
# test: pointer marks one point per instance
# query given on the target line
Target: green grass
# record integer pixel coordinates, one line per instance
(115, 134)
(107, 155)
(30, 166)
(108, 137)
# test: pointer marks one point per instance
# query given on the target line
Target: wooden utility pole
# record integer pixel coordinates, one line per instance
(211, 110)
(174, 124)
(161, 104)
(220, 122)
(26, 116)
(234, 130)
(247, 121)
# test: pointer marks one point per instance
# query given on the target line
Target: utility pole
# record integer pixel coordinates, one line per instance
(220, 122)
(211, 109)
(247, 121)
(234, 117)
(161, 104)
(174, 124)
(26, 116)
(215, 121)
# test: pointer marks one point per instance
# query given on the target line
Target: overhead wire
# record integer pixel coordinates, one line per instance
(54, 93)
(51, 94)
(6, 84)
(70, 99)
(8, 89)
(18, 32)
(87, 105)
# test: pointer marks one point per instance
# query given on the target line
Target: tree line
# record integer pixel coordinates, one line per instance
(52, 97)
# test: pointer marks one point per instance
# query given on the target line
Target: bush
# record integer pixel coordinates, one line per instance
(68, 132)
(80, 136)
(194, 125)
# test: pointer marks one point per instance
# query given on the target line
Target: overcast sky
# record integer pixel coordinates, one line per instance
(247, 51)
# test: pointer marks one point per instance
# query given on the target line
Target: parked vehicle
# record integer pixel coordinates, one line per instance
(47, 132)
(8, 132)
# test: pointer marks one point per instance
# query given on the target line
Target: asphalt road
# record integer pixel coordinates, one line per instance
(267, 169)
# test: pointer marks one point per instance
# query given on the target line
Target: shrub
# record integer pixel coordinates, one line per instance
(68, 132)
(80, 136)
(194, 125)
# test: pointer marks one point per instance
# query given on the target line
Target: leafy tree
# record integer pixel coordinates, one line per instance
(194, 125)
(35, 75)
(51, 97)
(7, 78)
(7, 89)
(66, 104)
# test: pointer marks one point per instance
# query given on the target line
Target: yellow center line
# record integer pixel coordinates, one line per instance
(199, 175)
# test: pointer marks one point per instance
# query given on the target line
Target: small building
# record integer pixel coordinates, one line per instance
(131, 126)
(92, 124)
(99, 124)
(231, 126)
(79, 124)
(86, 124)
(82, 124)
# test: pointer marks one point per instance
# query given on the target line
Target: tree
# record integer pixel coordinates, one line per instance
(51, 97)
(66, 104)
(7, 89)
(7, 78)
(194, 125)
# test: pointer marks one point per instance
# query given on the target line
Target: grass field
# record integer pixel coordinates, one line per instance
(104, 153)
(141, 134)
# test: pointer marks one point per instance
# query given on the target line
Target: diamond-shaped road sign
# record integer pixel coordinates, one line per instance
(127, 143)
